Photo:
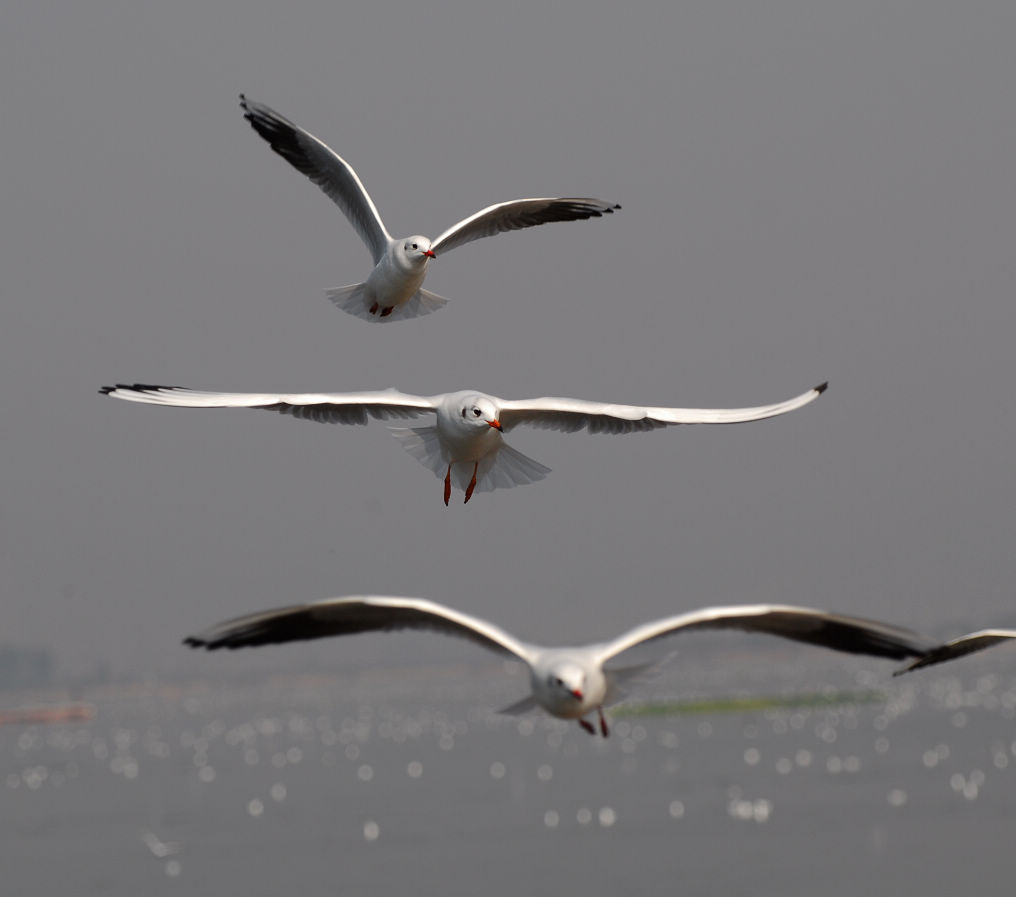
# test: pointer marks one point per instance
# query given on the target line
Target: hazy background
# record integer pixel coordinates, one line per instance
(811, 191)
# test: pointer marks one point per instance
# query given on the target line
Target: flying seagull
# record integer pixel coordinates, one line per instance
(465, 445)
(394, 289)
(960, 647)
(567, 682)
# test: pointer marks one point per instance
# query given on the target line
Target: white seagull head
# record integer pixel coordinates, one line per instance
(476, 413)
(416, 250)
(566, 684)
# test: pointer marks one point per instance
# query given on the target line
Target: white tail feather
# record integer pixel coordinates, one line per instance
(355, 300)
(501, 470)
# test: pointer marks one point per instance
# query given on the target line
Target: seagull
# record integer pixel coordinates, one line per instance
(394, 289)
(567, 682)
(465, 445)
(960, 647)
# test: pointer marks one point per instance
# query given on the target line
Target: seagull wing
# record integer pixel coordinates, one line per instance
(960, 647)
(349, 616)
(324, 167)
(517, 214)
(571, 415)
(802, 624)
(329, 408)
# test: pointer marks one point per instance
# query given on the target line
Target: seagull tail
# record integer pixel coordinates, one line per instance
(502, 470)
(505, 469)
(354, 299)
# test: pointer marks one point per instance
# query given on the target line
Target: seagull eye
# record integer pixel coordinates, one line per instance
(476, 412)
(415, 246)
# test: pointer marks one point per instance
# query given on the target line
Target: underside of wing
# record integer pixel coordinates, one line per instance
(853, 635)
(350, 616)
(967, 644)
(332, 408)
(324, 167)
(519, 214)
(572, 415)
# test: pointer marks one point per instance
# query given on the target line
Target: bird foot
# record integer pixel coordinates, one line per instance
(604, 731)
(472, 482)
(385, 312)
(374, 308)
(448, 486)
(588, 726)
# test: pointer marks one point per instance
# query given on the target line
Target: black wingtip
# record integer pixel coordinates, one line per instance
(192, 641)
(822, 387)
(106, 390)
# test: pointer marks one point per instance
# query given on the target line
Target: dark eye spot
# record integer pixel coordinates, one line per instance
(415, 246)
(463, 412)
(476, 412)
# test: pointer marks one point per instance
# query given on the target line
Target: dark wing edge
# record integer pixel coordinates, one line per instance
(322, 165)
(351, 616)
(960, 647)
(851, 635)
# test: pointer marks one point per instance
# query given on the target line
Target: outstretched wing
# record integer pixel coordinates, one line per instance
(329, 408)
(324, 167)
(517, 214)
(571, 415)
(960, 647)
(349, 616)
(850, 634)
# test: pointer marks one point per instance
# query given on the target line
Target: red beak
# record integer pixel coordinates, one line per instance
(429, 254)
(577, 694)
(496, 424)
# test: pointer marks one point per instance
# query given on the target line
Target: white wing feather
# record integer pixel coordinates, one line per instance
(518, 214)
(571, 415)
(344, 408)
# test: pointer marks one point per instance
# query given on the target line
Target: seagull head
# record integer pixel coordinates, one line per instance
(567, 681)
(480, 413)
(417, 249)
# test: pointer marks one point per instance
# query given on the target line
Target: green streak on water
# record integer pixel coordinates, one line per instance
(750, 705)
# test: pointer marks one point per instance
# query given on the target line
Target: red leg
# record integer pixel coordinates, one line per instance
(472, 482)
(374, 308)
(588, 726)
(385, 312)
(448, 485)
(604, 731)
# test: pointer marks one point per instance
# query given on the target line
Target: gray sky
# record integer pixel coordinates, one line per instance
(810, 191)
